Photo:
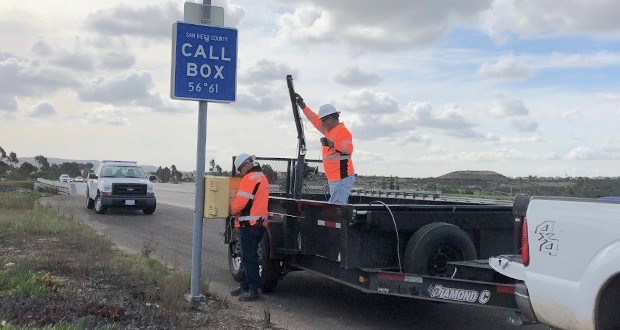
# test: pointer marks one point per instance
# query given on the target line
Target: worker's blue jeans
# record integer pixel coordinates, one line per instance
(250, 236)
(341, 189)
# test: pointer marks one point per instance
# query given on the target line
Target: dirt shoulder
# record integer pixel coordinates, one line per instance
(56, 273)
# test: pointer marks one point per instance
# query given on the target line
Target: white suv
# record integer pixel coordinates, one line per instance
(121, 184)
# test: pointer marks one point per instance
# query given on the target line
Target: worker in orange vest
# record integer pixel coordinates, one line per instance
(250, 205)
(337, 150)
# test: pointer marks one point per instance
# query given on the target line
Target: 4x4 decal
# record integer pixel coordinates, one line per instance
(548, 243)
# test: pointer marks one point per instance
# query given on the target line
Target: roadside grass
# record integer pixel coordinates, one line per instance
(16, 184)
(66, 251)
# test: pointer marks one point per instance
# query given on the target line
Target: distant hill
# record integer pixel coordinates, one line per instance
(475, 176)
(147, 168)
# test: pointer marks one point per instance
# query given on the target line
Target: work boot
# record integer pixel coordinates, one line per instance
(252, 295)
(238, 291)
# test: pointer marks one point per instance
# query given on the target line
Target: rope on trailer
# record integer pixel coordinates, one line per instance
(400, 267)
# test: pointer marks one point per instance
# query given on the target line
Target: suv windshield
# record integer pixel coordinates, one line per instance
(123, 172)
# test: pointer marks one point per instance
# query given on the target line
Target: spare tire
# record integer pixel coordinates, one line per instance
(433, 245)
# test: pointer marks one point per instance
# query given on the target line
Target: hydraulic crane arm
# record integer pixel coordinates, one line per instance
(301, 141)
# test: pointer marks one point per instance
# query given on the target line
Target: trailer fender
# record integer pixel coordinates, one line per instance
(433, 245)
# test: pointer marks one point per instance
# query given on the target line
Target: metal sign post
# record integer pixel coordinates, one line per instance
(204, 68)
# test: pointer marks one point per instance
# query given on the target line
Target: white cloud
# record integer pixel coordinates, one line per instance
(611, 97)
(508, 68)
(264, 71)
(524, 124)
(28, 78)
(117, 61)
(594, 60)
(369, 102)
(118, 89)
(353, 76)
(150, 21)
(589, 153)
(483, 156)
(396, 69)
(532, 18)
(571, 115)
(504, 107)
(447, 118)
(8, 103)
(368, 25)
(107, 115)
(42, 48)
(42, 109)
(412, 137)
(75, 61)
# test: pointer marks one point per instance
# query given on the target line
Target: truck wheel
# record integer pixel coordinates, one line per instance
(606, 309)
(99, 208)
(90, 203)
(269, 269)
(433, 245)
(234, 255)
(149, 210)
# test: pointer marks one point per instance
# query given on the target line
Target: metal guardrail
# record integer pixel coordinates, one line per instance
(55, 186)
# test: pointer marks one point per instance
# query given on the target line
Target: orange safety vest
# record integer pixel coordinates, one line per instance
(337, 161)
(252, 198)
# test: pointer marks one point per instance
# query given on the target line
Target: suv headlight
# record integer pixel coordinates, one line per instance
(150, 190)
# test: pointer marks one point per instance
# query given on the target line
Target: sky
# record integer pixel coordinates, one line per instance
(426, 87)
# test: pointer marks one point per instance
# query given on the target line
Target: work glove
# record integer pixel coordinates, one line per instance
(327, 142)
(300, 101)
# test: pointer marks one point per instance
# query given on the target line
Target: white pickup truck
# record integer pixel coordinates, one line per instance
(569, 269)
(120, 184)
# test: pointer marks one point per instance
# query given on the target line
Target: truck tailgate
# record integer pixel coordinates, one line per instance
(508, 265)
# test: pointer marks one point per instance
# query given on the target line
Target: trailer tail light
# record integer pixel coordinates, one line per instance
(525, 246)
(505, 289)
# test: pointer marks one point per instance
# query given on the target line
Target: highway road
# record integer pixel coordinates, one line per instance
(301, 301)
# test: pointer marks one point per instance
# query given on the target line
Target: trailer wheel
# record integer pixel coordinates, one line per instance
(269, 269)
(433, 245)
(234, 255)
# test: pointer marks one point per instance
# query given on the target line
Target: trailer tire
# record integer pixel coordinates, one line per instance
(433, 245)
(270, 270)
(234, 255)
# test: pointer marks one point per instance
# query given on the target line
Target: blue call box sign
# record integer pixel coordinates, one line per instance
(204, 63)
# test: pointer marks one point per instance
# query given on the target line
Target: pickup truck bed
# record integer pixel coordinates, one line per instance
(568, 275)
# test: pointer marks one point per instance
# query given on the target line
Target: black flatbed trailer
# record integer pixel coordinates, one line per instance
(432, 248)
(409, 244)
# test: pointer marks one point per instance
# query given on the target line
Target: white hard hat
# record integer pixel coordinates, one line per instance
(241, 159)
(326, 110)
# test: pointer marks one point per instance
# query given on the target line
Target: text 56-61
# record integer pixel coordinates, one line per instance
(197, 87)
